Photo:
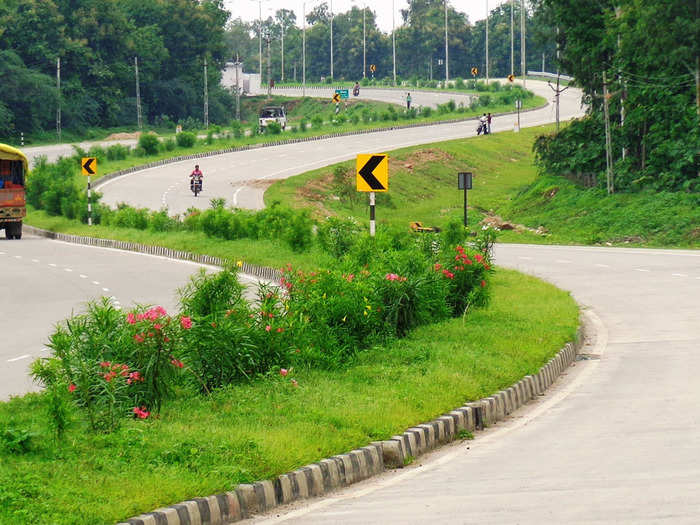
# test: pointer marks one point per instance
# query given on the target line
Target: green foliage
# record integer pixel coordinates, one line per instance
(208, 294)
(273, 128)
(149, 143)
(186, 139)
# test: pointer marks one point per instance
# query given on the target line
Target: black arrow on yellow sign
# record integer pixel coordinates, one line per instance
(367, 172)
(87, 165)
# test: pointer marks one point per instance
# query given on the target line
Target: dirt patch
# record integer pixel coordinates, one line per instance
(421, 157)
(315, 192)
(259, 183)
(124, 136)
(494, 221)
(694, 234)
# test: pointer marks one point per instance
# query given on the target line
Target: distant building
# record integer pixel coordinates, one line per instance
(248, 83)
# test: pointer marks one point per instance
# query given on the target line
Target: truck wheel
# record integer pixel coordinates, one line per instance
(13, 230)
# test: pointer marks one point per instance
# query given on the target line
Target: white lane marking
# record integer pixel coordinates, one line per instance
(602, 265)
(83, 276)
(18, 256)
(96, 283)
(524, 258)
(563, 261)
(53, 265)
(45, 349)
(35, 260)
(679, 275)
(2, 253)
(235, 195)
(68, 269)
(25, 356)
(105, 289)
(641, 270)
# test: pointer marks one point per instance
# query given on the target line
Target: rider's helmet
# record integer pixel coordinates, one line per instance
(196, 166)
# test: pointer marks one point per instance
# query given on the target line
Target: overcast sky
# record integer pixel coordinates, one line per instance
(248, 9)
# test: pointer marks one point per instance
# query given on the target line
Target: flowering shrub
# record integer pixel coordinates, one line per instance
(465, 275)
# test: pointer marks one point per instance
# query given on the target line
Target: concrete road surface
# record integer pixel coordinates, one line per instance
(241, 178)
(616, 441)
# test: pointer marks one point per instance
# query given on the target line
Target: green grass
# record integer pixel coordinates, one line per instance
(423, 187)
(254, 431)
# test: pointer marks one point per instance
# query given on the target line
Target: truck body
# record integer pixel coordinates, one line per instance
(272, 114)
(13, 204)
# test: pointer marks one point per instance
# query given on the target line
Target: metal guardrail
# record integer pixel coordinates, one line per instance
(549, 75)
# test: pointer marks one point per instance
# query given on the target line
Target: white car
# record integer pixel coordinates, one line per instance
(272, 114)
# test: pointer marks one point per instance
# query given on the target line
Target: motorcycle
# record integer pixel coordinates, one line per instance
(355, 91)
(196, 185)
(483, 128)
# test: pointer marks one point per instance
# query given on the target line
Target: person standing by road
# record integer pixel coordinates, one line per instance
(408, 101)
(488, 122)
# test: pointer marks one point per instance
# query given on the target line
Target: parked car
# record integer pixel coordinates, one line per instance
(272, 114)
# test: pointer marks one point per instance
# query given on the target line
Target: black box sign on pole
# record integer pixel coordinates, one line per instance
(464, 181)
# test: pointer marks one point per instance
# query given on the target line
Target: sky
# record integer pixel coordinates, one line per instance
(248, 10)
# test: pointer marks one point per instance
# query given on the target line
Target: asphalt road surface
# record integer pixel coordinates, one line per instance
(617, 440)
(242, 177)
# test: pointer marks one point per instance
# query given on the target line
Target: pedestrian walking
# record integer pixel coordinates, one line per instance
(488, 122)
(408, 101)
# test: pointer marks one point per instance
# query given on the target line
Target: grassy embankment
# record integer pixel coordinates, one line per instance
(253, 431)
(423, 187)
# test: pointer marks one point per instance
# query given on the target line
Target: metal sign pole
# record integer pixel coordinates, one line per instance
(89, 203)
(465, 205)
(372, 226)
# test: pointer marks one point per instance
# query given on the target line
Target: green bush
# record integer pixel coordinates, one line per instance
(317, 122)
(273, 128)
(149, 143)
(186, 139)
(117, 152)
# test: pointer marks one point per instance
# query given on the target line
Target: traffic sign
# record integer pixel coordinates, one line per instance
(336, 97)
(372, 68)
(344, 93)
(475, 71)
(89, 166)
(373, 172)
(511, 78)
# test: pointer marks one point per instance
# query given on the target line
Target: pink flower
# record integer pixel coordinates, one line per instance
(284, 372)
(294, 382)
(280, 330)
(131, 318)
(483, 283)
(392, 277)
(158, 326)
(177, 363)
(437, 266)
(141, 413)
(71, 387)
(109, 376)
(268, 328)
(478, 258)
(448, 274)
(186, 322)
(138, 338)
(105, 364)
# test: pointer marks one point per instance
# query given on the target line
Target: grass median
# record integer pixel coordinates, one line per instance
(254, 431)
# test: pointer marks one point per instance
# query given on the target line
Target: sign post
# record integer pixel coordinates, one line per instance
(88, 167)
(518, 105)
(372, 176)
(464, 182)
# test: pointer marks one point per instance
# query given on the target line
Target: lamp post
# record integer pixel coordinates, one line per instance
(447, 50)
(331, 38)
(303, 51)
(393, 37)
(487, 42)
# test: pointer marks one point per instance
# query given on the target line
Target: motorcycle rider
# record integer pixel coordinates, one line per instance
(356, 89)
(196, 177)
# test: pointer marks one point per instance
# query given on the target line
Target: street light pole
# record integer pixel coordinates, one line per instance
(331, 38)
(303, 51)
(447, 50)
(393, 36)
(260, 38)
(512, 63)
(364, 43)
(282, 29)
(522, 40)
(487, 42)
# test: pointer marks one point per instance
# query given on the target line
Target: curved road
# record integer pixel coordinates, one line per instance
(615, 441)
(237, 176)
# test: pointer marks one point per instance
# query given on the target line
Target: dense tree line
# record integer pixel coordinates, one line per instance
(420, 42)
(96, 42)
(648, 54)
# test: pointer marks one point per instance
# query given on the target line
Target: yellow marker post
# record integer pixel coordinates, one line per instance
(88, 166)
(372, 176)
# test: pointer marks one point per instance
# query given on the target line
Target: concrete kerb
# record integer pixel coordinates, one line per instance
(329, 474)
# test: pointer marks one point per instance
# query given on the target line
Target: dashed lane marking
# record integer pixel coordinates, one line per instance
(524, 258)
(96, 283)
(602, 265)
(105, 289)
(53, 265)
(563, 261)
(679, 275)
(641, 270)
(68, 269)
(83, 276)
(25, 356)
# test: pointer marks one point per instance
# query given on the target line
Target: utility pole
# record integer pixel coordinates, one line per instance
(608, 152)
(269, 78)
(393, 37)
(139, 121)
(447, 50)
(522, 40)
(282, 26)
(260, 38)
(487, 42)
(557, 91)
(206, 96)
(238, 91)
(364, 43)
(331, 38)
(303, 51)
(58, 88)
(512, 63)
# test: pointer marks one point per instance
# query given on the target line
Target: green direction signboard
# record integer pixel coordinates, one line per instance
(344, 93)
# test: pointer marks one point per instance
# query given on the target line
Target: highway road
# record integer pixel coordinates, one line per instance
(617, 440)
(242, 177)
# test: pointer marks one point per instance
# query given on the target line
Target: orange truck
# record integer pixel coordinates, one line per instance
(13, 204)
